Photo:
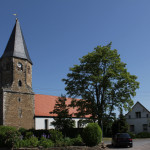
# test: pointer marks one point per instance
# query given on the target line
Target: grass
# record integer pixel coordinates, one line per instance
(106, 139)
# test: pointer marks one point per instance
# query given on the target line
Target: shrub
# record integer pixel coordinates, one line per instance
(22, 131)
(92, 134)
(143, 135)
(67, 142)
(31, 142)
(58, 143)
(22, 143)
(72, 132)
(77, 141)
(28, 135)
(46, 143)
(63, 142)
(132, 135)
(8, 136)
(40, 133)
(55, 135)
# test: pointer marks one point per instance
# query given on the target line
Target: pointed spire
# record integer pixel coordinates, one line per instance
(16, 46)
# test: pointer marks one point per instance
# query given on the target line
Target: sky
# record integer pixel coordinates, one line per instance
(59, 32)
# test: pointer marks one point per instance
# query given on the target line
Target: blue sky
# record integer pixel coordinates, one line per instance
(59, 32)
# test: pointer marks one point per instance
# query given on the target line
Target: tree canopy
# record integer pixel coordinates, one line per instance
(102, 82)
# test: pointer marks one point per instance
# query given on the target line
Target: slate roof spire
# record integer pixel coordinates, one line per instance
(16, 46)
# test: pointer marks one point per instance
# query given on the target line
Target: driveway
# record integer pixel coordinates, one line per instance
(138, 144)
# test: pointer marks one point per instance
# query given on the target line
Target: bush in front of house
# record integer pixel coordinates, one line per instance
(22, 131)
(33, 141)
(132, 135)
(13, 138)
(55, 135)
(27, 142)
(77, 141)
(92, 134)
(28, 135)
(8, 136)
(40, 133)
(72, 132)
(63, 142)
(143, 135)
(46, 143)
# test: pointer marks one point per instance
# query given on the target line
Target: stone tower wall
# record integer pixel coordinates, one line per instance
(22, 75)
(1, 107)
(17, 98)
(6, 67)
(19, 110)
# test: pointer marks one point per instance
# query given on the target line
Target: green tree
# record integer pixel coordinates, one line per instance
(63, 120)
(103, 83)
(120, 125)
(107, 124)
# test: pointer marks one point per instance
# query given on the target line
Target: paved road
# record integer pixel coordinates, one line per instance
(138, 144)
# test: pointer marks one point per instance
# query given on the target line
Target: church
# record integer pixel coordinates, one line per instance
(19, 105)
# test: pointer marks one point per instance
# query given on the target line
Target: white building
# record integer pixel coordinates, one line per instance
(45, 104)
(138, 119)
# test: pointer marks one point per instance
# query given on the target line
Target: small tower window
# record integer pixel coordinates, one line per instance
(20, 112)
(19, 83)
(19, 99)
(20, 66)
(29, 71)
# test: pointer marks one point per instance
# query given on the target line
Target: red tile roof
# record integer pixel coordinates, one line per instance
(45, 104)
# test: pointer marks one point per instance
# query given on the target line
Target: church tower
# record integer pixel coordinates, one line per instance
(16, 95)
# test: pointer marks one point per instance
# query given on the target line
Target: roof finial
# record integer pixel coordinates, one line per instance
(16, 16)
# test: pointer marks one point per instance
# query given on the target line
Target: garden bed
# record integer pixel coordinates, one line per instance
(98, 147)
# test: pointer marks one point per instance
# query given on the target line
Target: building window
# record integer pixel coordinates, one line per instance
(146, 115)
(145, 127)
(19, 83)
(129, 117)
(19, 100)
(20, 113)
(131, 128)
(138, 114)
(79, 124)
(46, 124)
(29, 71)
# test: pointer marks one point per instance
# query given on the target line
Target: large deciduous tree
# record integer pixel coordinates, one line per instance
(102, 82)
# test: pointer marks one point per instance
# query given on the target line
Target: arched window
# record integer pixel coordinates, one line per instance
(19, 83)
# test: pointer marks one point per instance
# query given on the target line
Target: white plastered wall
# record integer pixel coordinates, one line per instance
(138, 122)
(40, 122)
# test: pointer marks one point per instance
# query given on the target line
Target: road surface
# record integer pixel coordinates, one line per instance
(138, 144)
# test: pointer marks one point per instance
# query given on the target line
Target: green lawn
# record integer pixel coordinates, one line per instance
(106, 139)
